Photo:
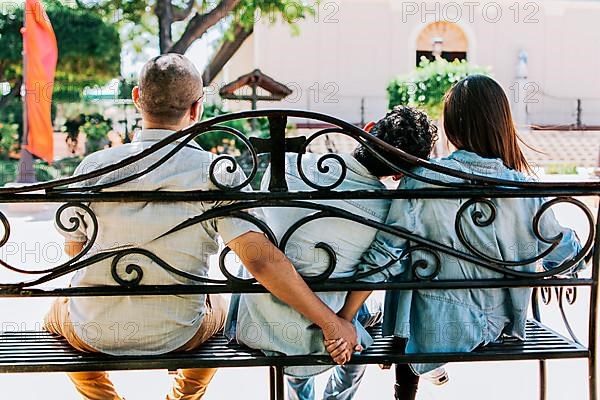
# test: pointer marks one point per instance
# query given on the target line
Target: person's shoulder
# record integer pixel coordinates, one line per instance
(423, 176)
(91, 162)
(308, 163)
(105, 157)
(471, 163)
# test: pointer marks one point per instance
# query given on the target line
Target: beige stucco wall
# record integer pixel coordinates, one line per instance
(353, 48)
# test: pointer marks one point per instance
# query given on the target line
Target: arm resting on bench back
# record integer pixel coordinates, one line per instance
(275, 272)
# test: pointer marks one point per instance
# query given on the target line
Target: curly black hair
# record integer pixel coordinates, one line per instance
(405, 128)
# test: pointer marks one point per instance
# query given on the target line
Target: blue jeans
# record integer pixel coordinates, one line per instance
(344, 379)
(342, 385)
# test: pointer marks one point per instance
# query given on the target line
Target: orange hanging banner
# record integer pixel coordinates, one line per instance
(41, 55)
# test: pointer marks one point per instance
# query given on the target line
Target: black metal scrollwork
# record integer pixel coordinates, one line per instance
(135, 272)
(481, 220)
(571, 295)
(6, 227)
(321, 166)
(546, 294)
(375, 145)
(131, 275)
(233, 278)
(562, 294)
(376, 148)
(421, 268)
(233, 165)
(178, 145)
(331, 255)
(75, 221)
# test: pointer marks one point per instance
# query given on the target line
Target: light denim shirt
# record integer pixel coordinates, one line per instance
(148, 325)
(461, 320)
(264, 322)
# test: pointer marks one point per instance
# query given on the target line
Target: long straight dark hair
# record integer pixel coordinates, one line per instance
(477, 118)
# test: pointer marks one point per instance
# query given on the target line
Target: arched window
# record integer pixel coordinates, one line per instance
(442, 39)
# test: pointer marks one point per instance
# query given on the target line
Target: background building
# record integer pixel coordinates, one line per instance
(546, 54)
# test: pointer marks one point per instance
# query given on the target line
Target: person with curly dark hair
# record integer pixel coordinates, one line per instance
(406, 128)
(261, 321)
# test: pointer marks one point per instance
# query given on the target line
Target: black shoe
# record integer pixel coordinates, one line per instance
(405, 392)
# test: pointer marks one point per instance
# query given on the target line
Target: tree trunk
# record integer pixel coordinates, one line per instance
(200, 23)
(224, 54)
(196, 27)
(164, 12)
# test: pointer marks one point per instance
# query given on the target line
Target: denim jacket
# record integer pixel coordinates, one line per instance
(461, 320)
(262, 321)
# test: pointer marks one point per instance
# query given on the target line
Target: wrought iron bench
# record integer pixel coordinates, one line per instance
(38, 351)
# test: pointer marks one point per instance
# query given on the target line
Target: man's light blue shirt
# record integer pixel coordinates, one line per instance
(148, 325)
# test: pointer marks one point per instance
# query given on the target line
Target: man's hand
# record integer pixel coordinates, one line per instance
(341, 341)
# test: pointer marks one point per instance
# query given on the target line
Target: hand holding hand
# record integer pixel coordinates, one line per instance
(341, 341)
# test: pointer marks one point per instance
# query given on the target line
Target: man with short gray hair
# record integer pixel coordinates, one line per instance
(169, 97)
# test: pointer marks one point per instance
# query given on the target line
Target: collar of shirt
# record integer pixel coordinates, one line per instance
(470, 157)
(479, 163)
(156, 135)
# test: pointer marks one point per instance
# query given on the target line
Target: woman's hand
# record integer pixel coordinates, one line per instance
(337, 344)
(339, 350)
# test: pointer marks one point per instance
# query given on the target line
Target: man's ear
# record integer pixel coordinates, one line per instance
(397, 177)
(135, 96)
(196, 111)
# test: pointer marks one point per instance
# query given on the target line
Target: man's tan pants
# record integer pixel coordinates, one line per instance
(190, 384)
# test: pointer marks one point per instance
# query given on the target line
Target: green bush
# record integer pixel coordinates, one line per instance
(223, 142)
(561, 169)
(61, 168)
(94, 126)
(12, 113)
(8, 171)
(9, 140)
(427, 85)
(43, 172)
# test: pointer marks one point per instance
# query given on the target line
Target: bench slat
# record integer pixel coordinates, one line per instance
(31, 351)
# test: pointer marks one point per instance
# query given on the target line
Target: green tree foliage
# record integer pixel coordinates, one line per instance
(95, 127)
(9, 140)
(88, 49)
(426, 86)
(179, 23)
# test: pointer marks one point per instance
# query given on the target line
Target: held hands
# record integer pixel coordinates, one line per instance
(341, 341)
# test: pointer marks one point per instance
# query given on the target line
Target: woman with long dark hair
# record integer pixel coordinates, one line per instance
(478, 123)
